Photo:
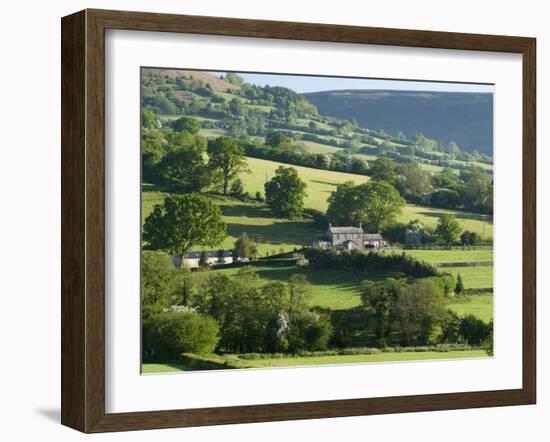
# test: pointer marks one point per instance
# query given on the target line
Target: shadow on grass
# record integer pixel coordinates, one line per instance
(290, 232)
(328, 183)
(249, 210)
(339, 279)
(460, 215)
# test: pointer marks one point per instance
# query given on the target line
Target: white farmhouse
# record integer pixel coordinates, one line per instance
(191, 259)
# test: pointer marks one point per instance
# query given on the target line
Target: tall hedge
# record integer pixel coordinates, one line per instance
(372, 261)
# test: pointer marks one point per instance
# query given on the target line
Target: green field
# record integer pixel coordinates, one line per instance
(481, 306)
(305, 123)
(431, 167)
(337, 290)
(320, 183)
(365, 157)
(326, 360)
(175, 117)
(474, 163)
(314, 147)
(213, 133)
(482, 225)
(479, 277)
(272, 235)
(353, 359)
(455, 255)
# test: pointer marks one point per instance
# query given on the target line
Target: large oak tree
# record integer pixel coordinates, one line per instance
(375, 204)
(285, 193)
(184, 222)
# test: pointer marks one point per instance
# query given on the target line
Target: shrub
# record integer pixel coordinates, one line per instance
(237, 188)
(474, 331)
(372, 261)
(169, 334)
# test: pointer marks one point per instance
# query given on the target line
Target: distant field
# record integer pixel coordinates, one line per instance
(320, 183)
(175, 117)
(481, 306)
(474, 163)
(212, 133)
(455, 255)
(473, 277)
(305, 123)
(227, 95)
(326, 360)
(314, 147)
(468, 221)
(365, 157)
(431, 167)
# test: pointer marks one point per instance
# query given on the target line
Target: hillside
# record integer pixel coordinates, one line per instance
(466, 118)
(216, 83)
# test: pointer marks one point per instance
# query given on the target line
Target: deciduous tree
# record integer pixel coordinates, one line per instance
(185, 170)
(448, 229)
(245, 247)
(184, 222)
(187, 124)
(375, 204)
(285, 193)
(226, 156)
(383, 169)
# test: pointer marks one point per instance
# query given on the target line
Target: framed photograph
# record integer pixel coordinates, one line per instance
(267, 221)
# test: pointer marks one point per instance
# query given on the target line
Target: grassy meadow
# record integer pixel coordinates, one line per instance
(482, 225)
(481, 306)
(455, 255)
(233, 361)
(272, 235)
(238, 325)
(478, 277)
(336, 289)
(320, 183)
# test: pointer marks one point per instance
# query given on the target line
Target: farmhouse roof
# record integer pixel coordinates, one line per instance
(209, 253)
(373, 237)
(346, 230)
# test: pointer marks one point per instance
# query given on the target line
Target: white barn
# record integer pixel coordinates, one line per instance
(191, 259)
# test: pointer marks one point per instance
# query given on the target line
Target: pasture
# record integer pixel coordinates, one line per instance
(313, 147)
(481, 224)
(272, 235)
(481, 306)
(364, 359)
(233, 361)
(337, 290)
(449, 256)
(320, 183)
(478, 277)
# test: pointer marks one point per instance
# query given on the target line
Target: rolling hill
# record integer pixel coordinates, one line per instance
(466, 118)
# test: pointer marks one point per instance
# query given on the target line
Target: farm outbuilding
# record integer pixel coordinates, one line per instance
(348, 238)
(214, 257)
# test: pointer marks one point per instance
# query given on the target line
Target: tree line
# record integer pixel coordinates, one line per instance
(205, 312)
